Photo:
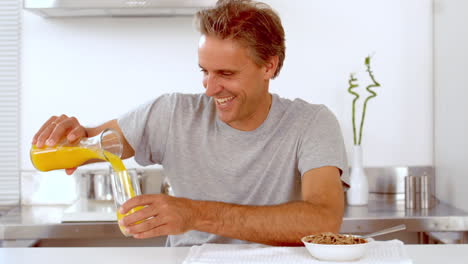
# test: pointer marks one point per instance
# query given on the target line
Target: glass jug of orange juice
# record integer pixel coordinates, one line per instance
(105, 146)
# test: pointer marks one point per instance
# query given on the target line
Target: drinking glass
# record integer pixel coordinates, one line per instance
(125, 185)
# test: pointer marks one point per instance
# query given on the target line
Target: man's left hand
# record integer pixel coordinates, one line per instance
(162, 215)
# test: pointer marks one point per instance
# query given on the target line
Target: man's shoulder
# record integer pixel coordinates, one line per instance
(186, 100)
(301, 108)
(183, 97)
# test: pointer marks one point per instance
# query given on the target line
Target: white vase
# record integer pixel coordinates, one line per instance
(358, 193)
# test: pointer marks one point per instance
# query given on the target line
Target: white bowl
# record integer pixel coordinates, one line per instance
(337, 252)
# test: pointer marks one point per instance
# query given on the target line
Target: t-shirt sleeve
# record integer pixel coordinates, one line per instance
(146, 129)
(322, 144)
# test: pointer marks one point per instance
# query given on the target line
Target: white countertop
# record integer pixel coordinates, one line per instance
(420, 254)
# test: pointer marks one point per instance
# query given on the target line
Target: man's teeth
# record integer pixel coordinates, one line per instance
(224, 100)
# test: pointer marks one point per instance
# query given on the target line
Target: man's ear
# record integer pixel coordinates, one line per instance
(270, 67)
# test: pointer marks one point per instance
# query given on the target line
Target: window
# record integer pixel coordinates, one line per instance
(9, 101)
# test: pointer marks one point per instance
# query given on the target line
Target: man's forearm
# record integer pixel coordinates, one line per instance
(280, 225)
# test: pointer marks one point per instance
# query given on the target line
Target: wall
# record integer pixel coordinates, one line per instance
(99, 68)
(451, 91)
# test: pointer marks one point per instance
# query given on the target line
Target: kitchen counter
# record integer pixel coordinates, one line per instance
(44, 222)
(420, 254)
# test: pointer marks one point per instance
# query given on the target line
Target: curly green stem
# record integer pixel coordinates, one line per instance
(373, 94)
(356, 97)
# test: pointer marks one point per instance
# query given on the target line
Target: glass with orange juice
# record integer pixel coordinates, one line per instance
(125, 185)
(105, 146)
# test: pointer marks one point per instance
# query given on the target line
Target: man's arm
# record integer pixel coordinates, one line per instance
(320, 210)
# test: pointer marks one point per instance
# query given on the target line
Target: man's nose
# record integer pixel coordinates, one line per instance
(212, 86)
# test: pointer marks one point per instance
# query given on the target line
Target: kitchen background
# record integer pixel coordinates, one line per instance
(99, 68)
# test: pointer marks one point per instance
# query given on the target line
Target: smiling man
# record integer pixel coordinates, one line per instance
(245, 165)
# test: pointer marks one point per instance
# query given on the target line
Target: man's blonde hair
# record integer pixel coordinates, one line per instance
(255, 25)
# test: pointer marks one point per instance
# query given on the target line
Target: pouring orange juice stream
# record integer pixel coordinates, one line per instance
(70, 157)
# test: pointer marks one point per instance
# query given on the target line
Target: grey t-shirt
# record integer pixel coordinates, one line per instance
(206, 159)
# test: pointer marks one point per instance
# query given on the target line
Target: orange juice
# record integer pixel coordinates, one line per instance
(120, 216)
(62, 157)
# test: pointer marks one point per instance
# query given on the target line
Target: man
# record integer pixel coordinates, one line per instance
(245, 165)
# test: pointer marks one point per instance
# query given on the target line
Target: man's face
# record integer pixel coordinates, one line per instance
(238, 86)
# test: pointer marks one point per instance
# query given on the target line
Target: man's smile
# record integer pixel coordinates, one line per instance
(224, 100)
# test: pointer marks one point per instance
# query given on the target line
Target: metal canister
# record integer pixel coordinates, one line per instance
(410, 192)
(97, 185)
(425, 193)
(102, 186)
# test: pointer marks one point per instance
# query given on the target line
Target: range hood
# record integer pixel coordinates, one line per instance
(118, 8)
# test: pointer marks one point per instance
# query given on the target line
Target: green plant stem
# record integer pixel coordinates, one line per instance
(356, 97)
(373, 94)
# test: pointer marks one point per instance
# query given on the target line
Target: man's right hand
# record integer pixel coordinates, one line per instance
(57, 128)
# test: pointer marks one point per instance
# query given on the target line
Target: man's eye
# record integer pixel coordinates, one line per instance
(204, 71)
(226, 73)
